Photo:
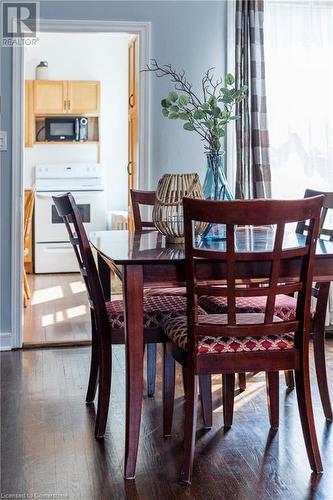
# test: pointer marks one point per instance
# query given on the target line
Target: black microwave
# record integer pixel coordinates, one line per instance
(66, 129)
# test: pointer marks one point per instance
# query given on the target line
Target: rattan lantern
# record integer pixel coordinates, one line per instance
(168, 209)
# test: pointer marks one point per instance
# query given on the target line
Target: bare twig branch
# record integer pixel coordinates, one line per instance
(180, 80)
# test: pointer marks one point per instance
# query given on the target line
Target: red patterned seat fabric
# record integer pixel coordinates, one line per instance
(156, 309)
(151, 292)
(176, 330)
(284, 305)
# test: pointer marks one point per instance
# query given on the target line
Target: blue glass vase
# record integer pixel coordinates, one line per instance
(215, 187)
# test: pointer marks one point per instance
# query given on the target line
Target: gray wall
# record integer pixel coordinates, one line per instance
(190, 35)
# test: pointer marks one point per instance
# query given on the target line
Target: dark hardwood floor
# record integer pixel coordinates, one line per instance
(48, 445)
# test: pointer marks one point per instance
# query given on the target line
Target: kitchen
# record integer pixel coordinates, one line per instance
(76, 139)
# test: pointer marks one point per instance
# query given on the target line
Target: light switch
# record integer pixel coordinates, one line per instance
(3, 140)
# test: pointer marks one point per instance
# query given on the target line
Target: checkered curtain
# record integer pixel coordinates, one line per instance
(253, 176)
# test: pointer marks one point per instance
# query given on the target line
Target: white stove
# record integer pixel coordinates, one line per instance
(53, 252)
(69, 177)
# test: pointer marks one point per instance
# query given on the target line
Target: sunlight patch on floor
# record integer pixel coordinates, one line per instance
(73, 312)
(251, 391)
(46, 295)
(47, 319)
(59, 316)
(77, 286)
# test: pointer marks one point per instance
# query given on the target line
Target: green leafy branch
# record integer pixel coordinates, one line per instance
(208, 114)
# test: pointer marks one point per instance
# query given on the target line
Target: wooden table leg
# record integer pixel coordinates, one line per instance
(104, 272)
(133, 295)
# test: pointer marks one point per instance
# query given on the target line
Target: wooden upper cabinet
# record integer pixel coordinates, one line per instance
(83, 96)
(62, 96)
(50, 96)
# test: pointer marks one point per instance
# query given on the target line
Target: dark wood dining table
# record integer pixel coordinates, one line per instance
(144, 259)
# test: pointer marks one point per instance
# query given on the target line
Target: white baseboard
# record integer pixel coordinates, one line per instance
(5, 341)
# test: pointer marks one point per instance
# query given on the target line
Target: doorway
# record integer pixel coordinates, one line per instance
(60, 294)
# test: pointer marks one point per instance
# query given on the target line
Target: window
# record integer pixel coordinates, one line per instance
(299, 86)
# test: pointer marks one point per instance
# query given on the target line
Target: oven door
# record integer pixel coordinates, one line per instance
(49, 226)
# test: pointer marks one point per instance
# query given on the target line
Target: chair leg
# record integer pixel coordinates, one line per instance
(205, 388)
(168, 391)
(26, 284)
(320, 364)
(26, 290)
(104, 386)
(184, 379)
(307, 419)
(93, 376)
(151, 369)
(319, 348)
(289, 377)
(189, 427)
(242, 381)
(228, 388)
(272, 387)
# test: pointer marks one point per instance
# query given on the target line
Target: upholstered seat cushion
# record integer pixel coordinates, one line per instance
(156, 309)
(151, 292)
(176, 330)
(285, 306)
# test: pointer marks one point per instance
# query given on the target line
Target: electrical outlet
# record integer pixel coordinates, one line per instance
(3, 140)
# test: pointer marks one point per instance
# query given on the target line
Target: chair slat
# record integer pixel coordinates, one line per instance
(222, 291)
(251, 330)
(273, 283)
(213, 255)
(231, 279)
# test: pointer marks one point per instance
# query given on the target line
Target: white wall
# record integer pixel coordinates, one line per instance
(101, 57)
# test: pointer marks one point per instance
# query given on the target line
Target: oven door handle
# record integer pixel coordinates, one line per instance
(60, 247)
(78, 194)
(40, 195)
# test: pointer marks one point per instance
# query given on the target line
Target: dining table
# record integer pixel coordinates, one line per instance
(144, 259)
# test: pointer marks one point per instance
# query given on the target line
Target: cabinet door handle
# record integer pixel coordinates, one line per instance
(131, 101)
(68, 104)
(129, 167)
(65, 103)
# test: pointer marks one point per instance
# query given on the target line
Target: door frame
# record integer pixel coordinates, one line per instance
(143, 30)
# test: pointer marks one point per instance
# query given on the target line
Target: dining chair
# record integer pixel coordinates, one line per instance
(147, 198)
(29, 204)
(139, 199)
(285, 307)
(108, 317)
(232, 342)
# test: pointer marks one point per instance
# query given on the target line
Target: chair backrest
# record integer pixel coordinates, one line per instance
(139, 198)
(231, 259)
(70, 214)
(302, 226)
(29, 203)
